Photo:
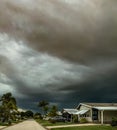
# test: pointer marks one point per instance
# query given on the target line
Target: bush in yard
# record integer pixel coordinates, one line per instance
(83, 120)
(75, 119)
(52, 121)
(114, 122)
(9, 122)
(37, 116)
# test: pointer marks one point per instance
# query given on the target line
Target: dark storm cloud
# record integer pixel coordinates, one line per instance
(64, 49)
(99, 90)
(80, 30)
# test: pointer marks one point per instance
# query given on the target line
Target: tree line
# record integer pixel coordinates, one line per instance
(9, 110)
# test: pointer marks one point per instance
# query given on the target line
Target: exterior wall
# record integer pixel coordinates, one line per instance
(108, 115)
(87, 115)
(89, 119)
(83, 107)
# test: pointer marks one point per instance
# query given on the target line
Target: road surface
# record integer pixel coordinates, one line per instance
(26, 125)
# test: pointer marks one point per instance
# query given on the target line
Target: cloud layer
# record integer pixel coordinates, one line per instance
(63, 51)
(28, 71)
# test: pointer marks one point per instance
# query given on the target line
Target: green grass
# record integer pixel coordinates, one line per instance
(47, 123)
(87, 128)
(12, 122)
(3, 124)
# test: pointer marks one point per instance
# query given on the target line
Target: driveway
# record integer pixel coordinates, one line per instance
(26, 125)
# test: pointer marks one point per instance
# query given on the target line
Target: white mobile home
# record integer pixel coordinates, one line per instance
(93, 112)
(98, 112)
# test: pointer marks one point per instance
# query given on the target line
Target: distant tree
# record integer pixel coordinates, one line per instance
(37, 115)
(53, 111)
(44, 106)
(22, 114)
(29, 114)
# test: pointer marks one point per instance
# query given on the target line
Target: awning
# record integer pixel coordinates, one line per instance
(81, 112)
(106, 108)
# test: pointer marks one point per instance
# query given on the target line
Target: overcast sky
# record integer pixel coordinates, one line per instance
(62, 51)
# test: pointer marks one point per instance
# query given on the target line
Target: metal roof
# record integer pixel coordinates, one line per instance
(92, 105)
(106, 108)
(101, 104)
(82, 112)
(75, 111)
(70, 111)
(59, 113)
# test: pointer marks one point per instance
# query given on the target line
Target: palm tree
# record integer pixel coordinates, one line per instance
(53, 111)
(44, 106)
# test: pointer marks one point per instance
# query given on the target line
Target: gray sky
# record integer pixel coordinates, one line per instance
(63, 51)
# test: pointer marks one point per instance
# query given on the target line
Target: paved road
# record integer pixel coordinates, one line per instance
(26, 125)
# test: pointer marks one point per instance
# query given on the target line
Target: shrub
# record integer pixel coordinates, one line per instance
(38, 117)
(2, 124)
(114, 122)
(75, 119)
(9, 122)
(83, 120)
(52, 121)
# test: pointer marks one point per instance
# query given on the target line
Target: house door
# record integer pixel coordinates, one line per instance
(94, 114)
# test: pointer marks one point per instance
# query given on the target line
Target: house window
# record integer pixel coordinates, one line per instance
(84, 115)
(95, 114)
(87, 115)
(81, 115)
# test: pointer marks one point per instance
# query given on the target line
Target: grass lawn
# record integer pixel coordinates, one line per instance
(88, 128)
(12, 123)
(47, 123)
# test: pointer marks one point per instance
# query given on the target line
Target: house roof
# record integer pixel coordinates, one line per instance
(82, 112)
(70, 111)
(75, 111)
(100, 104)
(106, 108)
(59, 113)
